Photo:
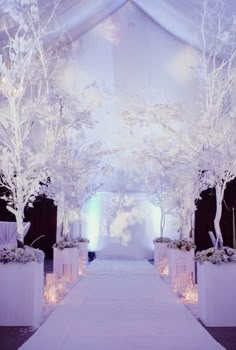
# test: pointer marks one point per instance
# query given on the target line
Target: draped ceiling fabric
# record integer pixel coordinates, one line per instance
(176, 17)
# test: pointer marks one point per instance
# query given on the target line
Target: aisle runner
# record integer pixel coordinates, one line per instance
(121, 305)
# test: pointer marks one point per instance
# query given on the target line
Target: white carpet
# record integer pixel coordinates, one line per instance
(121, 305)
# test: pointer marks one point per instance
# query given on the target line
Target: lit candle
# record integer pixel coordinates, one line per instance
(52, 293)
(163, 267)
(82, 266)
(61, 286)
(191, 294)
(51, 278)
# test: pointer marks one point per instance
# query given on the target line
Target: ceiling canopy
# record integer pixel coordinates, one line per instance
(179, 18)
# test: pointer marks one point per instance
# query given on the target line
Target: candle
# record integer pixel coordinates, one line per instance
(50, 294)
(82, 266)
(61, 288)
(163, 267)
(51, 278)
(190, 293)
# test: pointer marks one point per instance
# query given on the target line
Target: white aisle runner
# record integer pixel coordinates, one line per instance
(121, 305)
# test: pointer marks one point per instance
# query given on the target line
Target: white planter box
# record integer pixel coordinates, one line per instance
(66, 263)
(83, 257)
(181, 268)
(217, 294)
(21, 294)
(160, 256)
(83, 251)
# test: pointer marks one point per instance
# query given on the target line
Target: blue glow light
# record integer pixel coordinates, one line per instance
(93, 215)
(155, 219)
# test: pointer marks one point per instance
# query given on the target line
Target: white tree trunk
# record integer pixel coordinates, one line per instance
(19, 214)
(162, 223)
(20, 226)
(80, 224)
(219, 199)
(181, 227)
(66, 228)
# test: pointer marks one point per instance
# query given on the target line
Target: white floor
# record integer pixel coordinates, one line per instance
(121, 305)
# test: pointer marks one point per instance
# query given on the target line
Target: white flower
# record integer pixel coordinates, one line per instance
(216, 256)
(181, 244)
(21, 255)
(161, 240)
(73, 243)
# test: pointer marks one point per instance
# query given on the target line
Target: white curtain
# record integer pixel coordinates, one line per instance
(8, 232)
(123, 225)
(179, 18)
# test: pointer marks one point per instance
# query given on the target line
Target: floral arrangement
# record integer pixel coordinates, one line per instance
(83, 240)
(72, 243)
(161, 240)
(181, 244)
(21, 255)
(216, 256)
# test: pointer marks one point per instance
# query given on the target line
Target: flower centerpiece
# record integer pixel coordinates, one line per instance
(216, 256)
(181, 244)
(83, 240)
(66, 243)
(161, 240)
(21, 255)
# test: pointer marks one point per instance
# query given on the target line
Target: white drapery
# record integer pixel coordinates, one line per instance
(179, 18)
(176, 17)
(8, 232)
(121, 225)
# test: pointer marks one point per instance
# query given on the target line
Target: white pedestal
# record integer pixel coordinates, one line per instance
(66, 263)
(161, 257)
(217, 294)
(181, 263)
(83, 257)
(21, 294)
(83, 251)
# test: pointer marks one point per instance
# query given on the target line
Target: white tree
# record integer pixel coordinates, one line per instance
(159, 193)
(215, 129)
(206, 137)
(186, 190)
(159, 185)
(174, 185)
(22, 70)
(34, 115)
(75, 177)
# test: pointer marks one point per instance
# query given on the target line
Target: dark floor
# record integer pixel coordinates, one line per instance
(226, 336)
(11, 338)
